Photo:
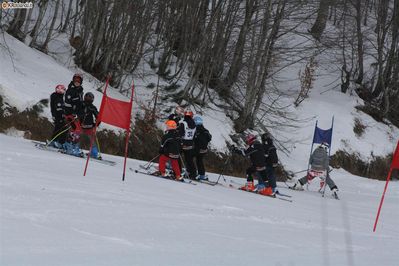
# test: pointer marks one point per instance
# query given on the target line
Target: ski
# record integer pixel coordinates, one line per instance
(270, 196)
(43, 146)
(184, 181)
(283, 194)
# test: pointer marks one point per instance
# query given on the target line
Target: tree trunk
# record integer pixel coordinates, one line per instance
(34, 33)
(66, 22)
(236, 63)
(75, 20)
(27, 23)
(50, 31)
(321, 20)
(16, 24)
(360, 48)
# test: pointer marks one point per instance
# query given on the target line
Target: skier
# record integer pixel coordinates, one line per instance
(57, 113)
(170, 150)
(73, 110)
(88, 122)
(319, 166)
(201, 139)
(271, 159)
(177, 115)
(187, 132)
(256, 154)
(74, 98)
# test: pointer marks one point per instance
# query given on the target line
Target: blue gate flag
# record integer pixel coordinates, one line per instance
(322, 135)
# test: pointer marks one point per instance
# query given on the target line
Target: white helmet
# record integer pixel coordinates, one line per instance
(324, 145)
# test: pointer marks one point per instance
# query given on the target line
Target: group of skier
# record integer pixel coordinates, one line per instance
(185, 134)
(74, 117)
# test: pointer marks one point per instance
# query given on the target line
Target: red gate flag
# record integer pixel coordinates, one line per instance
(395, 159)
(117, 113)
(394, 165)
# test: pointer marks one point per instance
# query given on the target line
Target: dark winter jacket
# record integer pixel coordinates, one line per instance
(319, 160)
(89, 116)
(73, 100)
(170, 144)
(187, 130)
(57, 107)
(270, 153)
(201, 139)
(174, 117)
(256, 154)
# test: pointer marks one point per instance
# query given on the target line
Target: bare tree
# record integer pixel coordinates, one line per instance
(321, 20)
(50, 31)
(67, 17)
(35, 31)
(15, 26)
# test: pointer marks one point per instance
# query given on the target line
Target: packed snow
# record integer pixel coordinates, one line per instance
(52, 215)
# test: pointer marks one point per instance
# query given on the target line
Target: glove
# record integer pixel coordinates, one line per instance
(236, 150)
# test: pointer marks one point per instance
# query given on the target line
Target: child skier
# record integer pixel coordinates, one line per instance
(74, 98)
(177, 115)
(170, 150)
(319, 166)
(257, 156)
(88, 122)
(73, 110)
(271, 159)
(187, 130)
(201, 139)
(57, 112)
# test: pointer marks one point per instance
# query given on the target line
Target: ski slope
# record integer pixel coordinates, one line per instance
(51, 215)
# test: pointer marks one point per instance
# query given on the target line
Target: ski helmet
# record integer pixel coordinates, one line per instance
(170, 124)
(265, 137)
(250, 139)
(179, 110)
(198, 121)
(324, 145)
(77, 77)
(89, 97)
(189, 113)
(60, 89)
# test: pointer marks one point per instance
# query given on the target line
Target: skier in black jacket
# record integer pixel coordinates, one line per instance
(170, 150)
(74, 98)
(271, 159)
(177, 115)
(201, 139)
(187, 132)
(73, 110)
(88, 119)
(256, 154)
(57, 112)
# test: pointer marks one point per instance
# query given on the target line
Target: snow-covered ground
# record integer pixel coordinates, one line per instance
(51, 215)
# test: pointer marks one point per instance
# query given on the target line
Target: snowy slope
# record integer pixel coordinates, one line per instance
(51, 215)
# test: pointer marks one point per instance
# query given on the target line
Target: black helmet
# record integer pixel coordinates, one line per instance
(78, 76)
(89, 97)
(266, 137)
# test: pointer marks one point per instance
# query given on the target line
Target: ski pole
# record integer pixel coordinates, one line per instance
(98, 146)
(56, 136)
(221, 173)
(149, 163)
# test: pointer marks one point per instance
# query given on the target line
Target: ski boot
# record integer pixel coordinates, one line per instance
(297, 186)
(266, 191)
(249, 186)
(335, 192)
